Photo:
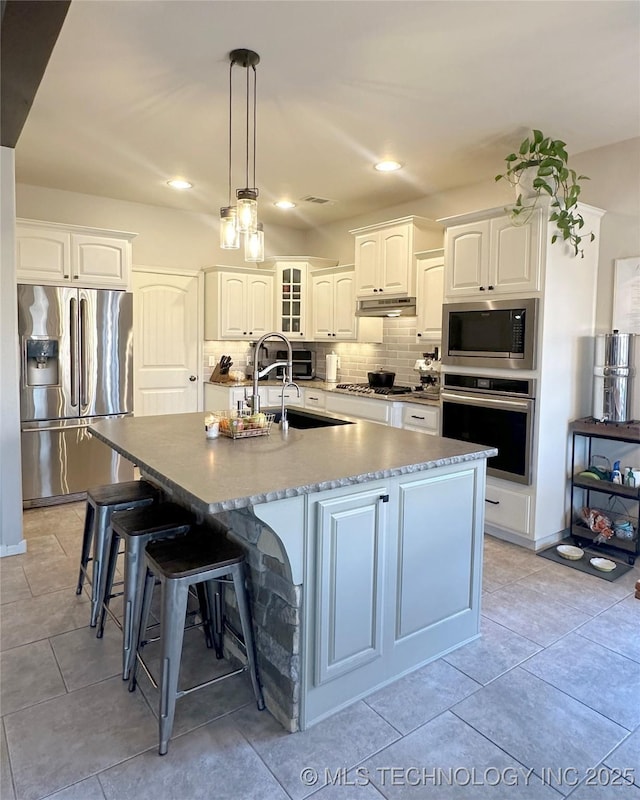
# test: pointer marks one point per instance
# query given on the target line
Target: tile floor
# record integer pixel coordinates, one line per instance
(545, 705)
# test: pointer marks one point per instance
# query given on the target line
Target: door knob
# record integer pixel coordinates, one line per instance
(192, 378)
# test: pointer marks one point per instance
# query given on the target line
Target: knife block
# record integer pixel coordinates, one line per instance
(219, 377)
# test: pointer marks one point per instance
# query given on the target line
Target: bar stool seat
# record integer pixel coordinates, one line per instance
(102, 501)
(136, 528)
(202, 556)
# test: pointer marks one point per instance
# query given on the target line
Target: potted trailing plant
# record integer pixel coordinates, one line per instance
(541, 164)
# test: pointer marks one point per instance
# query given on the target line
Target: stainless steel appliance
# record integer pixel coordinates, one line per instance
(76, 366)
(387, 307)
(366, 388)
(491, 333)
(613, 377)
(303, 364)
(497, 412)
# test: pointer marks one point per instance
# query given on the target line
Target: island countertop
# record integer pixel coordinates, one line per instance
(214, 475)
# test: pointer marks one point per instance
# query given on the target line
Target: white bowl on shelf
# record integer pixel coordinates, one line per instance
(570, 552)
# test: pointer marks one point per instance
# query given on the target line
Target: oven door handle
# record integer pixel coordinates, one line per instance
(486, 400)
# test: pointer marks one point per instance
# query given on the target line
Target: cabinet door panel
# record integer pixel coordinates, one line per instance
(367, 264)
(514, 255)
(322, 306)
(344, 307)
(350, 551)
(233, 300)
(435, 548)
(430, 296)
(467, 258)
(395, 260)
(42, 257)
(99, 261)
(260, 300)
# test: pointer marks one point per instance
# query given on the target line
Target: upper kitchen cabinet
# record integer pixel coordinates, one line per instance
(333, 306)
(486, 254)
(430, 292)
(292, 293)
(238, 303)
(384, 260)
(52, 253)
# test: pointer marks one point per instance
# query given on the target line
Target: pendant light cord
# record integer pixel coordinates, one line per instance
(255, 82)
(246, 174)
(231, 63)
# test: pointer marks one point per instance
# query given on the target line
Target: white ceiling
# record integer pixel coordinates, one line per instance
(137, 92)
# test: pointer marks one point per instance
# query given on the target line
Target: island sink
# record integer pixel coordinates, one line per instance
(308, 419)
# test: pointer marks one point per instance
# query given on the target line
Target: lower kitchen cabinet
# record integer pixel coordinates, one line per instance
(314, 398)
(508, 509)
(363, 407)
(422, 418)
(291, 397)
(392, 581)
(218, 397)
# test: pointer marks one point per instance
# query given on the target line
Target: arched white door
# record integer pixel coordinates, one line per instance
(166, 343)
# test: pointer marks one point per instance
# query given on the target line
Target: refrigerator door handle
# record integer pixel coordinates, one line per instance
(84, 377)
(73, 325)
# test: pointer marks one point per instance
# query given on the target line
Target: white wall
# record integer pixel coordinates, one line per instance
(11, 540)
(166, 237)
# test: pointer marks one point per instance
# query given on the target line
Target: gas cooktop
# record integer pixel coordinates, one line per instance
(364, 388)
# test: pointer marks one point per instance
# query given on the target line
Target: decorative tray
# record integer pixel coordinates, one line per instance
(242, 426)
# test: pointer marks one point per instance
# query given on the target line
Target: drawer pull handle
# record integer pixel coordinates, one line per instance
(493, 502)
(415, 416)
(384, 498)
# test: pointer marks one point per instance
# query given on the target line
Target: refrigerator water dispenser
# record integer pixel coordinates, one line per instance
(41, 361)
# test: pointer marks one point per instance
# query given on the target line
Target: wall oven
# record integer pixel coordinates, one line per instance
(490, 333)
(497, 412)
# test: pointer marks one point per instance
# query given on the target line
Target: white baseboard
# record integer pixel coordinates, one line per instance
(524, 541)
(13, 549)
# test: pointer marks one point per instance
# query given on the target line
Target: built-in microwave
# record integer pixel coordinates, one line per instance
(490, 333)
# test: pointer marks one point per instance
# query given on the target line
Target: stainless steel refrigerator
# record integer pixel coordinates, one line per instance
(76, 366)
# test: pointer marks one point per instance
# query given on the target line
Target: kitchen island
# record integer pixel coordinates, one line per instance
(364, 544)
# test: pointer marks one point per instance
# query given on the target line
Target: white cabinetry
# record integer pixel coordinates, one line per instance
(51, 253)
(292, 293)
(218, 397)
(314, 398)
(492, 256)
(363, 407)
(238, 304)
(483, 249)
(383, 592)
(384, 255)
(291, 397)
(421, 417)
(333, 306)
(430, 294)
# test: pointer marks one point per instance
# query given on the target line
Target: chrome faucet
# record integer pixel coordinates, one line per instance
(284, 422)
(254, 400)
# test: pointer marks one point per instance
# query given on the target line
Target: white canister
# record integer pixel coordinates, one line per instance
(332, 368)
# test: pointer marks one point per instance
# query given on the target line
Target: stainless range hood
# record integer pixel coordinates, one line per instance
(387, 307)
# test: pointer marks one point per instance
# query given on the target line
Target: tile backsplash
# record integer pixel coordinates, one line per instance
(397, 353)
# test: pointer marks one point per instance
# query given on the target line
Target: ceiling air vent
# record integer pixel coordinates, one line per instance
(320, 201)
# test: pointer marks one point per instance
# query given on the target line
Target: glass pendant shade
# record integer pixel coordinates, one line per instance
(247, 206)
(229, 234)
(254, 245)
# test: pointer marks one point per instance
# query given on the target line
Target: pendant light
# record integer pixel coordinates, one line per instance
(243, 216)
(254, 244)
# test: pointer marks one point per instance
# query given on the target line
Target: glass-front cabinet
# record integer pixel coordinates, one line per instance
(292, 283)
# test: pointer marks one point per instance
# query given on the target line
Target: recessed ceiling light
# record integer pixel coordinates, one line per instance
(179, 183)
(285, 204)
(388, 166)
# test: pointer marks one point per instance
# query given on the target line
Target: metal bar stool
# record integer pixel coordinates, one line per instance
(199, 557)
(102, 501)
(136, 528)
